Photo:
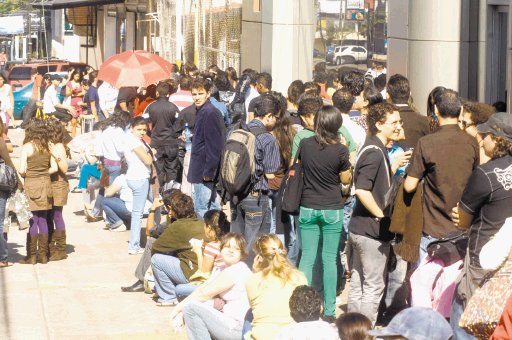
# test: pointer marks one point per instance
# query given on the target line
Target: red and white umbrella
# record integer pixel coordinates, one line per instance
(134, 68)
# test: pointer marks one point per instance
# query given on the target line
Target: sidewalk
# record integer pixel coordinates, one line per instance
(80, 297)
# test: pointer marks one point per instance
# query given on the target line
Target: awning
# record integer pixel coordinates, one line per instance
(60, 4)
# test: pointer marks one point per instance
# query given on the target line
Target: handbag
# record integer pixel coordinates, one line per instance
(8, 178)
(449, 248)
(484, 308)
(290, 191)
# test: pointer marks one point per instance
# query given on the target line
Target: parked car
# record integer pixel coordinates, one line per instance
(350, 54)
(23, 95)
(19, 75)
(329, 54)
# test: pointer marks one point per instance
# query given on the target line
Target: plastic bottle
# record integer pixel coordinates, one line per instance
(188, 138)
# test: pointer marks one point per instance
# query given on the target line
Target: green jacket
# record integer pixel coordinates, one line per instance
(175, 241)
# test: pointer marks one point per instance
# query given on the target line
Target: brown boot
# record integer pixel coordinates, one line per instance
(31, 251)
(42, 245)
(52, 246)
(60, 246)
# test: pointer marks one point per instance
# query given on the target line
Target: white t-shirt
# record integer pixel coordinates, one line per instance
(50, 99)
(125, 194)
(113, 143)
(355, 130)
(136, 168)
(107, 95)
(237, 303)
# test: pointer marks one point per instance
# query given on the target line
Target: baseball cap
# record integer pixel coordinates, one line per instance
(499, 125)
(416, 323)
(55, 77)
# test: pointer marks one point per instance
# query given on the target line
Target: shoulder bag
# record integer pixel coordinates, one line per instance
(484, 308)
(292, 186)
(8, 178)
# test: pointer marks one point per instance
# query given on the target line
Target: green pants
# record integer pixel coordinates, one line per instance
(312, 224)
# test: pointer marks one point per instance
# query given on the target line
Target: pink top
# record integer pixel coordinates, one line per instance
(236, 300)
(433, 285)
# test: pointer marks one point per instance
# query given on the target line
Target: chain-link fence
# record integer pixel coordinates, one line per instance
(210, 31)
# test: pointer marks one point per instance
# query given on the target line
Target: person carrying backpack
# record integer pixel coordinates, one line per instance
(250, 204)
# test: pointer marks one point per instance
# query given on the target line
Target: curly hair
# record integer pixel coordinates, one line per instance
(56, 130)
(353, 81)
(37, 133)
(353, 326)
(502, 147)
(273, 259)
(479, 112)
(305, 304)
(181, 205)
(239, 240)
(377, 114)
(217, 221)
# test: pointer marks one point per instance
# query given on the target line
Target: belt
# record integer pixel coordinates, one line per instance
(111, 162)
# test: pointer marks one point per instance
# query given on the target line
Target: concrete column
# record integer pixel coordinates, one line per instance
(130, 31)
(110, 32)
(283, 32)
(429, 44)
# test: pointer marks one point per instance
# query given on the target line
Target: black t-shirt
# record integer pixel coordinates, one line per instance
(322, 166)
(488, 197)
(126, 95)
(372, 172)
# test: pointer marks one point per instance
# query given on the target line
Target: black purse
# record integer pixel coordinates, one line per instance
(290, 192)
(450, 248)
(8, 178)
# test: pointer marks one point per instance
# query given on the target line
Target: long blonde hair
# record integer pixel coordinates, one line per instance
(273, 260)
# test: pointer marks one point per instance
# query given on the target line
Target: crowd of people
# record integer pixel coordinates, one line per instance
(207, 157)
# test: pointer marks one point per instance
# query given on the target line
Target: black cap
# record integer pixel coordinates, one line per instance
(499, 125)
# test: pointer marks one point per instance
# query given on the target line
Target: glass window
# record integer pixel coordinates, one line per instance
(360, 25)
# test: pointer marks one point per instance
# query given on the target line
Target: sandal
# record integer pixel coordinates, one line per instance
(4, 264)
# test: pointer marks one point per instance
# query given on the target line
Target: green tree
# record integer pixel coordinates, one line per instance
(9, 6)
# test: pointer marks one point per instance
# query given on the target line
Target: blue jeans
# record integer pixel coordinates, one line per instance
(140, 191)
(116, 212)
(293, 244)
(205, 322)
(3, 242)
(168, 274)
(424, 242)
(184, 290)
(251, 219)
(112, 171)
(202, 195)
(455, 314)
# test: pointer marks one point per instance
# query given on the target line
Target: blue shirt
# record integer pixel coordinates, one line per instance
(92, 95)
(222, 109)
(267, 156)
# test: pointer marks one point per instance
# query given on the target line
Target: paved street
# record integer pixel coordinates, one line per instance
(78, 298)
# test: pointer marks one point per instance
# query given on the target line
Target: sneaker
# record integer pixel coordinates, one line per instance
(121, 228)
(166, 303)
(136, 252)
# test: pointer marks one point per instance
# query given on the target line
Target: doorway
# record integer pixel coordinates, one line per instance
(497, 79)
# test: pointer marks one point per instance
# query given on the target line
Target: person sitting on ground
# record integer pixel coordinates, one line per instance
(223, 314)
(270, 287)
(208, 254)
(173, 259)
(353, 326)
(306, 309)
(415, 323)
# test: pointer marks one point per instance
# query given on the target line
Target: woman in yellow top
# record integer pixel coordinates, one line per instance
(270, 287)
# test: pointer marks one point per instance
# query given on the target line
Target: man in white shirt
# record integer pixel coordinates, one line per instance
(52, 104)
(108, 98)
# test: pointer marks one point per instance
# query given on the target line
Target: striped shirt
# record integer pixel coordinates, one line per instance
(181, 99)
(212, 250)
(268, 159)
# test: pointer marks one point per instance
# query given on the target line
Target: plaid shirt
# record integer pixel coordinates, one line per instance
(268, 159)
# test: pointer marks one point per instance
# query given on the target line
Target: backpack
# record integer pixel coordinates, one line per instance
(237, 174)
(236, 108)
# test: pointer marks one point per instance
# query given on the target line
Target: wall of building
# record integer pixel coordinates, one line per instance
(279, 39)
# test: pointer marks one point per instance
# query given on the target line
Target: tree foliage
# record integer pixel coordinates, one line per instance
(9, 6)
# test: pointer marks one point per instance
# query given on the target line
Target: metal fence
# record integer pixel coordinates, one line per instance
(203, 31)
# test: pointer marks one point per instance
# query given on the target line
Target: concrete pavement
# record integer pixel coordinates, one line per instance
(80, 297)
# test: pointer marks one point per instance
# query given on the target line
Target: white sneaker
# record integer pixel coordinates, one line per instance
(121, 228)
(136, 252)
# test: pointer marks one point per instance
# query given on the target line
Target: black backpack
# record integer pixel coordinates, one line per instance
(236, 108)
(238, 175)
